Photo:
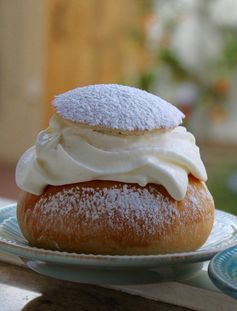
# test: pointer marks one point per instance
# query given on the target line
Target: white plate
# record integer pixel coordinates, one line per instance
(109, 268)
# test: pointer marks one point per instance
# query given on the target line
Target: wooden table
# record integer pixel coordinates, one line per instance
(22, 289)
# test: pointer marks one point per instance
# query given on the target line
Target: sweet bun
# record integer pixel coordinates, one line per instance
(106, 217)
(117, 109)
(114, 174)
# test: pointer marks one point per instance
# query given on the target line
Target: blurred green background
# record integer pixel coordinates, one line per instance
(221, 165)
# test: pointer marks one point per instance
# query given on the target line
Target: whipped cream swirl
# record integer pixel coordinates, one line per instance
(65, 154)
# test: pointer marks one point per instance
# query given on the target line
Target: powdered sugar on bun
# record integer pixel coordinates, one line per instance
(117, 107)
(105, 217)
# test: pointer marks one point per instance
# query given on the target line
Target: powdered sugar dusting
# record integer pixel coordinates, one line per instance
(117, 107)
(130, 205)
(138, 208)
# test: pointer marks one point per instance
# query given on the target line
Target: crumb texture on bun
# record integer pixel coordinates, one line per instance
(107, 217)
(117, 107)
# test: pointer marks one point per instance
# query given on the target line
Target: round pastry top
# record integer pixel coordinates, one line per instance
(117, 108)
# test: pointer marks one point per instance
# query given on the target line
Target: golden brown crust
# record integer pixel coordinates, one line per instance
(106, 217)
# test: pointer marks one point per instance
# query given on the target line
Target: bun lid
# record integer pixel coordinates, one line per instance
(117, 108)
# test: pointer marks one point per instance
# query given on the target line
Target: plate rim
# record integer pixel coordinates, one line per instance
(92, 259)
(214, 274)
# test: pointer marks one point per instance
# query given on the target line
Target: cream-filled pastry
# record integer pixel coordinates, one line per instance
(114, 160)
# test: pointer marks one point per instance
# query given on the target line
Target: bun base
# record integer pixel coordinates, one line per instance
(107, 217)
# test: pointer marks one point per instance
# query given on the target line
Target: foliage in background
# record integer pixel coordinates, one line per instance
(193, 51)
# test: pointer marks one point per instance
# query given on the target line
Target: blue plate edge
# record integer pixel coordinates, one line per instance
(215, 276)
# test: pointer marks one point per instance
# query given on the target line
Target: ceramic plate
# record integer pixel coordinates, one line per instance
(223, 271)
(75, 267)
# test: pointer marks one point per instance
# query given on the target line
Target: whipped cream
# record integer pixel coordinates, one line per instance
(65, 154)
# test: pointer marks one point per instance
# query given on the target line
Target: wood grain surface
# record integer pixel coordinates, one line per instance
(22, 289)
